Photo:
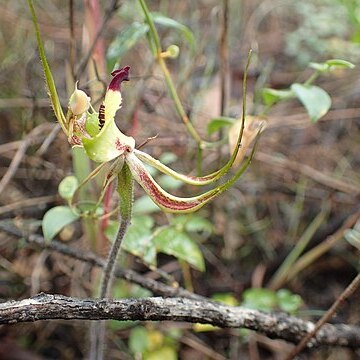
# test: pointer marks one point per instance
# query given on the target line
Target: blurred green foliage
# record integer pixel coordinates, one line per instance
(325, 28)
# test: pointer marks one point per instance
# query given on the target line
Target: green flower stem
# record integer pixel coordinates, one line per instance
(173, 93)
(125, 190)
(153, 31)
(312, 78)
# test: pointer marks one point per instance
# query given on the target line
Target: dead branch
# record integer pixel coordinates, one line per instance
(274, 325)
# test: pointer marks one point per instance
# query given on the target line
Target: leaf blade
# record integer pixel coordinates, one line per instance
(316, 101)
(56, 219)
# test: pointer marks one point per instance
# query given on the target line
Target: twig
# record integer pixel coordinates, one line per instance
(35, 201)
(281, 326)
(352, 287)
(48, 140)
(20, 154)
(316, 175)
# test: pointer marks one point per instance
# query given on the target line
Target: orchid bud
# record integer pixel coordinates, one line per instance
(79, 102)
(172, 52)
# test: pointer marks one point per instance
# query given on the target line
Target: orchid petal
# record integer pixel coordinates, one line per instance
(195, 180)
(192, 180)
(236, 143)
(110, 142)
(111, 175)
(95, 172)
(171, 203)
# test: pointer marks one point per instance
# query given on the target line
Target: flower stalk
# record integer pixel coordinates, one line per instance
(98, 134)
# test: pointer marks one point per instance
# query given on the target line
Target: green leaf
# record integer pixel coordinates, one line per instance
(260, 299)
(124, 41)
(138, 340)
(56, 219)
(226, 298)
(316, 101)
(321, 67)
(199, 224)
(272, 96)
(192, 223)
(176, 243)
(287, 301)
(165, 352)
(218, 123)
(68, 186)
(167, 158)
(171, 23)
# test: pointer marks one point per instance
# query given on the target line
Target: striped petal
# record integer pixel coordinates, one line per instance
(171, 203)
(110, 142)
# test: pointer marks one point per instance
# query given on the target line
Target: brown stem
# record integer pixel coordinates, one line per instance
(352, 287)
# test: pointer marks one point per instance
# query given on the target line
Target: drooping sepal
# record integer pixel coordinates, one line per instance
(171, 203)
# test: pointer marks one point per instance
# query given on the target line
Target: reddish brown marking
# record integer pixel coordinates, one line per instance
(161, 198)
(119, 75)
(200, 179)
(121, 147)
(101, 116)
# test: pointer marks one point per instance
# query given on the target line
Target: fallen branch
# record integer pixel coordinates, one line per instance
(274, 325)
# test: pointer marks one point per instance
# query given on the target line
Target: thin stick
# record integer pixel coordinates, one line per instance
(354, 285)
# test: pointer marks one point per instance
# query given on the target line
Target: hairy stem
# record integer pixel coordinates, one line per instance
(125, 190)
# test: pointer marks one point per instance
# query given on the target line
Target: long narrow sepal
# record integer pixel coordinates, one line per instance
(207, 179)
(54, 98)
(171, 203)
(111, 175)
(91, 176)
(188, 179)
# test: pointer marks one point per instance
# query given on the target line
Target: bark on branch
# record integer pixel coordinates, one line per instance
(274, 325)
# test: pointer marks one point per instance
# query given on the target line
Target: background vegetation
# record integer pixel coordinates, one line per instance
(302, 187)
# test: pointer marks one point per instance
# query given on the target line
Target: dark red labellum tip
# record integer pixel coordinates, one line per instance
(119, 75)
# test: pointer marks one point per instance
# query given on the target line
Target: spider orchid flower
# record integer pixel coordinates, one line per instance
(103, 142)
